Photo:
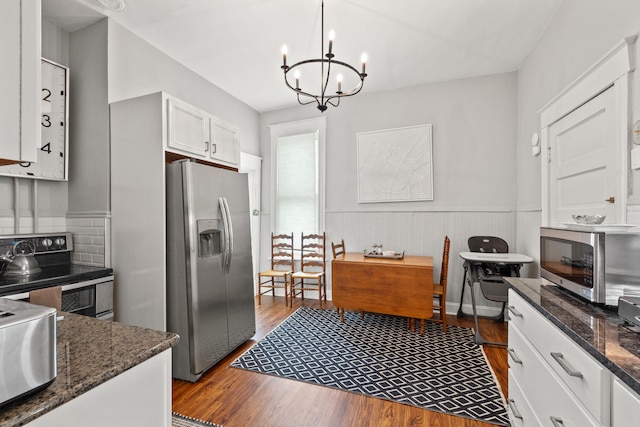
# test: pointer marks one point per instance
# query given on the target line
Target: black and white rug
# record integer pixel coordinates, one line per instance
(179, 420)
(380, 357)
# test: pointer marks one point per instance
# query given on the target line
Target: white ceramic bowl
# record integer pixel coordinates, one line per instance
(589, 219)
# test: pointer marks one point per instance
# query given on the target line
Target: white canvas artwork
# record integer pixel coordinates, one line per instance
(395, 165)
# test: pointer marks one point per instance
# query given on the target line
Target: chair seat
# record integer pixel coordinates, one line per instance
(438, 289)
(495, 291)
(275, 273)
(307, 275)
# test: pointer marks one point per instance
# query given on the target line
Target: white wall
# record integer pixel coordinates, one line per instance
(474, 132)
(137, 68)
(580, 34)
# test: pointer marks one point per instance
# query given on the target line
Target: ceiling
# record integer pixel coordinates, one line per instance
(236, 44)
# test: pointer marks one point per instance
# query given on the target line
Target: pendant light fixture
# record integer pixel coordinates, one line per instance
(327, 65)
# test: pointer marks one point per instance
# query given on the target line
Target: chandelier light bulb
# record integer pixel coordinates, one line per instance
(297, 76)
(332, 35)
(364, 63)
(339, 79)
(284, 55)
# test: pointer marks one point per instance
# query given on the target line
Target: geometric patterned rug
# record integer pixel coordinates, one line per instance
(380, 357)
(179, 420)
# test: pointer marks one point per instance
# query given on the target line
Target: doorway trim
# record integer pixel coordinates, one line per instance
(252, 166)
(612, 70)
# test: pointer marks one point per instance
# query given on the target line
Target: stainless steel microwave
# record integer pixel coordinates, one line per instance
(600, 267)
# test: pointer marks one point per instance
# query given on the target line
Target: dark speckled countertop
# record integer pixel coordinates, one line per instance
(600, 332)
(90, 352)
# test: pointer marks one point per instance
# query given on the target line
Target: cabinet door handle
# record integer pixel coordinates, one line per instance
(514, 409)
(515, 358)
(610, 199)
(557, 421)
(513, 311)
(206, 146)
(213, 148)
(558, 357)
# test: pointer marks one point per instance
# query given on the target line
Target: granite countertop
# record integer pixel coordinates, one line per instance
(89, 352)
(600, 332)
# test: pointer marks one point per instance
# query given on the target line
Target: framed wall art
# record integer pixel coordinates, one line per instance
(395, 165)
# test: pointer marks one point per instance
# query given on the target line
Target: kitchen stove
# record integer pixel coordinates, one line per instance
(85, 289)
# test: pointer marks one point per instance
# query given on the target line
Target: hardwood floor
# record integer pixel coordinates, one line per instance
(238, 398)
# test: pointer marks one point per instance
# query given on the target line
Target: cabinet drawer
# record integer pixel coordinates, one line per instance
(584, 376)
(625, 405)
(549, 397)
(520, 411)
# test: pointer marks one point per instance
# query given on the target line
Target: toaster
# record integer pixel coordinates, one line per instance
(629, 309)
(27, 349)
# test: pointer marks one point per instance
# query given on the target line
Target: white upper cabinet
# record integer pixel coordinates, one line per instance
(196, 133)
(20, 85)
(189, 131)
(225, 148)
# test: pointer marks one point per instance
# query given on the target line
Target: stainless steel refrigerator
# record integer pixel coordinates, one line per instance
(209, 273)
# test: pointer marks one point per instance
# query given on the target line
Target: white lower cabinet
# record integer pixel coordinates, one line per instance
(520, 410)
(551, 401)
(625, 406)
(140, 396)
(554, 382)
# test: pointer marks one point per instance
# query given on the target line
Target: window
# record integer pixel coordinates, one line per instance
(297, 162)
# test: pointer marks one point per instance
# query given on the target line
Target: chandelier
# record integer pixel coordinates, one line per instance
(326, 62)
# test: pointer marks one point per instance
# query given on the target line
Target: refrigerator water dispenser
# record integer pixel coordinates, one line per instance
(209, 236)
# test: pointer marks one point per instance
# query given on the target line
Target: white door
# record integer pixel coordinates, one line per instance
(582, 171)
(252, 166)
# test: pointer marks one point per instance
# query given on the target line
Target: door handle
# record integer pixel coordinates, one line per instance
(610, 199)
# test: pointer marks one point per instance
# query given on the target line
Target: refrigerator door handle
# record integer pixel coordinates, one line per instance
(225, 224)
(230, 238)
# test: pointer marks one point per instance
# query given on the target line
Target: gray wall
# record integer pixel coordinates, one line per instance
(474, 132)
(582, 32)
(89, 121)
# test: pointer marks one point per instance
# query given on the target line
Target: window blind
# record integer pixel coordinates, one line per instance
(297, 185)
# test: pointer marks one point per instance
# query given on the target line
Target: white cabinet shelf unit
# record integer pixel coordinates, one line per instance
(20, 48)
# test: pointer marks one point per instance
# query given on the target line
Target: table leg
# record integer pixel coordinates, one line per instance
(341, 311)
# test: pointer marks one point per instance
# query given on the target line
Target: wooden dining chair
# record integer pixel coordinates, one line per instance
(337, 249)
(279, 276)
(440, 288)
(311, 276)
(439, 292)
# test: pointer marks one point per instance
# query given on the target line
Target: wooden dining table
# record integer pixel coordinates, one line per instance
(400, 287)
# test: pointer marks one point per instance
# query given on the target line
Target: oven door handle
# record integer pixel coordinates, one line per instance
(68, 287)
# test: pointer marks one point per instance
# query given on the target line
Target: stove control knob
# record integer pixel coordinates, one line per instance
(47, 242)
(59, 241)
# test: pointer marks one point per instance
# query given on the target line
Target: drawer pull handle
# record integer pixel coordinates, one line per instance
(558, 357)
(514, 409)
(515, 358)
(557, 422)
(513, 311)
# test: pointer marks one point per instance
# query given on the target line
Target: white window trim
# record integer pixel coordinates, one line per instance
(297, 128)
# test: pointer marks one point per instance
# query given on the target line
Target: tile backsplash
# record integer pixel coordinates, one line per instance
(90, 240)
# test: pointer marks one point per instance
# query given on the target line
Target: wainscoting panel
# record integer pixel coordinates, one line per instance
(416, 233)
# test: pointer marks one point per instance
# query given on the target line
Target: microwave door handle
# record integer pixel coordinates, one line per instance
(230, 235)
(225, 226)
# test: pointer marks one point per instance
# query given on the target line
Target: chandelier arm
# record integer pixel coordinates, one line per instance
(306, 103)
(331, 103)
